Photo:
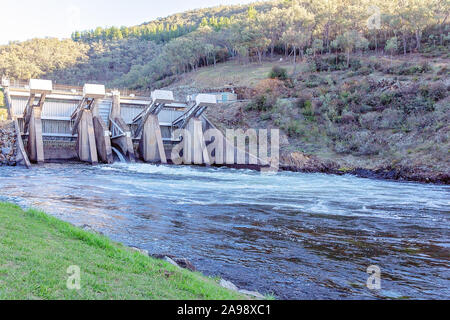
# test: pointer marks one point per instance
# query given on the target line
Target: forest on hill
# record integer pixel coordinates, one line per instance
(141, 57)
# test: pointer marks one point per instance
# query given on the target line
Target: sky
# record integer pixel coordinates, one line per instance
(27, 19)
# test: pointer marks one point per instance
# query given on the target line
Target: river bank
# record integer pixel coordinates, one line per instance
(299, 162)
(36, 251)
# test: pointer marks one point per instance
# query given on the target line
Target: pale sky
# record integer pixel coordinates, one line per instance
(27, 19)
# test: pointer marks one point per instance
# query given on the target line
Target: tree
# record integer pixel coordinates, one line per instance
(274, 27)
(317, 45)
(392, 45)
(350, 41)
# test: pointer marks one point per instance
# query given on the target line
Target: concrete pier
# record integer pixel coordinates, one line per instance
(86, 145)
(196, 151)
(32, 119)
(35, 144)
(151, 147)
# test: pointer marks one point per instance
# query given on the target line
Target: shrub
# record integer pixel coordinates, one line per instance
(348, 117)
(406, 69)
(358, 143)
(266, 94)
(436, 91)
(266, 116)
(279, 73)
(301, 100)
(386, 98)
(364, 71)
(334, 63)
(312, 66)
(308, 111)
(370, 120)
(294, 128)
(262, 102)
(314, 81)
(443, 71)
(391, 119)
(270, 86)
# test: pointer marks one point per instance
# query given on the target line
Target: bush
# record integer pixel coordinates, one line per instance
(336, 63)
(314, 81)
(294, 128)
(391, 119)
(279, 73)
(266, 94)
(407, 69)
(302, 100)
(347, 118)
(364, 71)
(263, 102)
(361, 143)
(443, 71)
(370, 120)
(435, 91)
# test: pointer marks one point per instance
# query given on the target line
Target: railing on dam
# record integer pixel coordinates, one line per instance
(78, 90)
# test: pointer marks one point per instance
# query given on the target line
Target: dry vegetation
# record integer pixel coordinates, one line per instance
(389, 115)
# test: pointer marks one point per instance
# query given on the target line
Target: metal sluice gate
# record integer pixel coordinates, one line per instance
(91, 123)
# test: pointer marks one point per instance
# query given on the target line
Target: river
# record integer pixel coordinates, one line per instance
(292, 235)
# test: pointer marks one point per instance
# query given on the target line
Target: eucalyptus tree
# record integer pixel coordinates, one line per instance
(350, 41)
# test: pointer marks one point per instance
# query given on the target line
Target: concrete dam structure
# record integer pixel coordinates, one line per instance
(91, 124)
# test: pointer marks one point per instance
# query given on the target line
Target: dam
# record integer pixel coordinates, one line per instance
(91, 124)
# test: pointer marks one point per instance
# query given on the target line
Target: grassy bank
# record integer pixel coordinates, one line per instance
(36, 250)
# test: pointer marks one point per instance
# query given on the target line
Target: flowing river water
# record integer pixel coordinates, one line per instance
(293, 235)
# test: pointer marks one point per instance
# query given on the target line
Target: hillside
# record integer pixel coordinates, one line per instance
(147, 56)
(176, 25)
(384, 117)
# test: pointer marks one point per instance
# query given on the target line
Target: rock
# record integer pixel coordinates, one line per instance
(299, 162)
(231, 286)
(185, 264)
(228, 285)
(181, 262)
(87, 227)
(8, 149)
(143, 251)
(253, 294)
(160, 256)
(169, 260)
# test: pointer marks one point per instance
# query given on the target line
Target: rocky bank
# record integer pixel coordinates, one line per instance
(8, 149)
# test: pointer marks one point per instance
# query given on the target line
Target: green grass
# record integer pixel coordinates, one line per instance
(36, 250)
(232, 72)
